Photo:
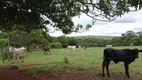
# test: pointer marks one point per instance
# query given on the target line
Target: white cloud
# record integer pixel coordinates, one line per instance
(129, 21)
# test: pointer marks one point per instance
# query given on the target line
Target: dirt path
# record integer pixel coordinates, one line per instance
(68, 74)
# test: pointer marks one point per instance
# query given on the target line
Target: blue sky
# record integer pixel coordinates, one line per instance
(129, 21)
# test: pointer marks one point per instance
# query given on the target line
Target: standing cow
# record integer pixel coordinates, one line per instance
(71, 49)
(125, 55)
(15, 53)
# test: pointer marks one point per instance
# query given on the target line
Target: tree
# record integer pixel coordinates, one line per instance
(3, 42)
(126, 37)
(36, 14)
(63, 40)
(130, 33)
(72, 41)
(139, 33)
(20, 38)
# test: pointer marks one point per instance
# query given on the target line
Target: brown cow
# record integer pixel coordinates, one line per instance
(46, 49)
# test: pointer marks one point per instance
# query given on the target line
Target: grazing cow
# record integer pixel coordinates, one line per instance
(131, 44)
(17, 52)
(125, 55)
(71, 49)
(108, 46)
(46, 49)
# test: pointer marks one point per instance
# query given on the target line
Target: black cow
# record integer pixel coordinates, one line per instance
(46, 49)
(125, 55)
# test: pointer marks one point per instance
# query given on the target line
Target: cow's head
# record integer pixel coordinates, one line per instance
(140, 50)
(136, 51)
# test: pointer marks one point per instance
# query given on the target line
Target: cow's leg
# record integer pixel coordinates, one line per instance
(103, 67)
(9, 57)
(44, 52)
(127, 69)
(106, 64)
(22, 58)
(107, 67)
(15, 57)
(49, 52)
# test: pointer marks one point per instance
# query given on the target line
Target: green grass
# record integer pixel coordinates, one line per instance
(81, 60)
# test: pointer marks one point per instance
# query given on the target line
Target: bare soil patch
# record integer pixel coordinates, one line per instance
(65, 74)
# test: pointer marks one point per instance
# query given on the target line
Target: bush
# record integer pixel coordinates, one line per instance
(56, 45)
(66, 60)
(32, 71)
(3, 42)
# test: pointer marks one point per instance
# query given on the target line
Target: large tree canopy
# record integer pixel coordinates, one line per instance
(36, 14)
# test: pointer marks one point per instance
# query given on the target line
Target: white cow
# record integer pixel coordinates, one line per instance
(17, 52)
(108, 46)
(71, 49)
(79, 46)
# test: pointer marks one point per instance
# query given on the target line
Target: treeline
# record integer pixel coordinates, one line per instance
(38, 38)
(84, 42)
(128, 38)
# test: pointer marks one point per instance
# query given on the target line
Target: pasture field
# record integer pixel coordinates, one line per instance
(91, 58)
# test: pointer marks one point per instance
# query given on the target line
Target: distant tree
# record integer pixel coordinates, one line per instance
(123, 34)
(139, 33)
(128, 38)
(63, 40)
(72, 41)
(56, 45)
(47, 36)
(130, 33)
(134, 40)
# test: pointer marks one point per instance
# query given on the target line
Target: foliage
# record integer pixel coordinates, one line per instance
(3, 45)
(56, 45)
(128, 38)
(36, 14)
(66, 60)
(32, 71)
(130, 33)
(3, 42)
(82, 41)
(72, 41)
(20, 38)
(63, 40)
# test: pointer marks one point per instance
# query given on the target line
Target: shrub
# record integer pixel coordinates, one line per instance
(3, 42)
(66, 60)
(56, 45)
(32, 71)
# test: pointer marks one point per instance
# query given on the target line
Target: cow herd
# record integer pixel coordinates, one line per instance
(123, 55)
